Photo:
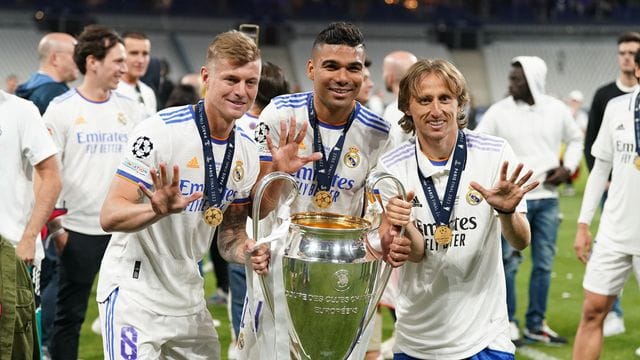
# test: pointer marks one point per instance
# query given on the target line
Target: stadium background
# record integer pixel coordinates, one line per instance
(576, 38)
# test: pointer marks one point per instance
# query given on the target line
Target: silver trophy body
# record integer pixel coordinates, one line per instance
(331, 284)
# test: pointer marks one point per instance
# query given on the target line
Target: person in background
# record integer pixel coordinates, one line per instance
(628, 45)
(11, 83)
(138, 47)
(394, 67)
(57, 69)
(536, 125)
(30, 182)
(610, 258)
(90, 125)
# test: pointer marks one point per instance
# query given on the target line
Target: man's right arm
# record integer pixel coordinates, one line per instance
(124, 208)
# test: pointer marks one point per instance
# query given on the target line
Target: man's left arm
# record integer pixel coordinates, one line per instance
(47, 185)
(232, 234)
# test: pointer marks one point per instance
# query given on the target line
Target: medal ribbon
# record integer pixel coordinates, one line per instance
(636, 123)
(213, 185)
(442, 212)
(324, 169)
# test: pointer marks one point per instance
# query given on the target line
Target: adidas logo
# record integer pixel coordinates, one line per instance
(193, 163)
(416, 202)
(620, 127)
(80, 120)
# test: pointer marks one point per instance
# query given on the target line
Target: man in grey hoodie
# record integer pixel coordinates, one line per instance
(55, 52)
(535, 124)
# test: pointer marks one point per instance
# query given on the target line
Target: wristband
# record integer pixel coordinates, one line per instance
(504, 212)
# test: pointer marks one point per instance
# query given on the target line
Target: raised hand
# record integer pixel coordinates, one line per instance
(507, 192)
(285, 156)
(166, 197)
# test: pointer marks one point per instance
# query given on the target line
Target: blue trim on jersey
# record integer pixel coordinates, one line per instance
(239, 201)
(398, 154)
(244, 135)
(179, 115)
(291, 100)
(374, 125)
(266, 158)
(330, 126)
(373, 118)
(219, 141)
(133, 178)
(484, 139)
(438, 162)
(95, 102)
(251, 115)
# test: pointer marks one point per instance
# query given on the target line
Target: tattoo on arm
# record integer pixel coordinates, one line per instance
(233, 234)
(140, 196)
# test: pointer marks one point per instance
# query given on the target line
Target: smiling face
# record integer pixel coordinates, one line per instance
(230, 88)
(336, 72)
(434, 110)
(109, 70)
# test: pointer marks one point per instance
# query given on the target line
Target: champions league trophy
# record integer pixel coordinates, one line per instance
(332, 286)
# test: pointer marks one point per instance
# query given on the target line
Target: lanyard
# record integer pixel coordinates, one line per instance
(213, 185)
(442, 211)
(325, 169)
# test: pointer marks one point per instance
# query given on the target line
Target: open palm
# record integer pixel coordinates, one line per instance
(507, 192)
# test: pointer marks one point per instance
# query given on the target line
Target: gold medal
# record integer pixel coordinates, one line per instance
(323, 199)
(636, 162)
(213, 216)
(443, 235)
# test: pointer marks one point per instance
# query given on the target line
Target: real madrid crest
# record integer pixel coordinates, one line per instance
(238, 171)
(473, 196)
(122, 119)
(352, 157)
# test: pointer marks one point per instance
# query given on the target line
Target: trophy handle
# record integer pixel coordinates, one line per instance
(255, 217)
(372, 181)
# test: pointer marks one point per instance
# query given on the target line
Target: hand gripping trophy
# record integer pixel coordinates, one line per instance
(331, 283)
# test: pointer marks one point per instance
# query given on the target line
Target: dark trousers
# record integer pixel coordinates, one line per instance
(48, 291)
(78, 265)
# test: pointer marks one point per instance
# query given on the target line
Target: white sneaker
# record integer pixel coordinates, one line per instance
(613, 324)
(638, 351)
(96, 327)
(514, 332)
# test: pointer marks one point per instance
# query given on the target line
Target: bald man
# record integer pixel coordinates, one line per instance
(394, 67)
(57, 68)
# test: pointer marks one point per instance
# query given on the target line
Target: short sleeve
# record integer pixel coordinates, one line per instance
(144, 150)
(268, 125)
(37, 144)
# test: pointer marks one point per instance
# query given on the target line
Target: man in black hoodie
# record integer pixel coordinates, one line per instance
(55, 52)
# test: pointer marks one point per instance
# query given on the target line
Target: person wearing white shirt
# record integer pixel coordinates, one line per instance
(464, 189)
(535, 124)
(30, 180)
(394, 67)
(90, 125)
(138, 48)
(610, 258)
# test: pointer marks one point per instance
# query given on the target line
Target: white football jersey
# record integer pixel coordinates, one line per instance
(148, 103)
(451, 305)
(160, 262)
(24, 142)
(616, 143)
(92, 138)
(364, 142)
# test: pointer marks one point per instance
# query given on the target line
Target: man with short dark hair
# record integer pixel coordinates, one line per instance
(90, 125)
